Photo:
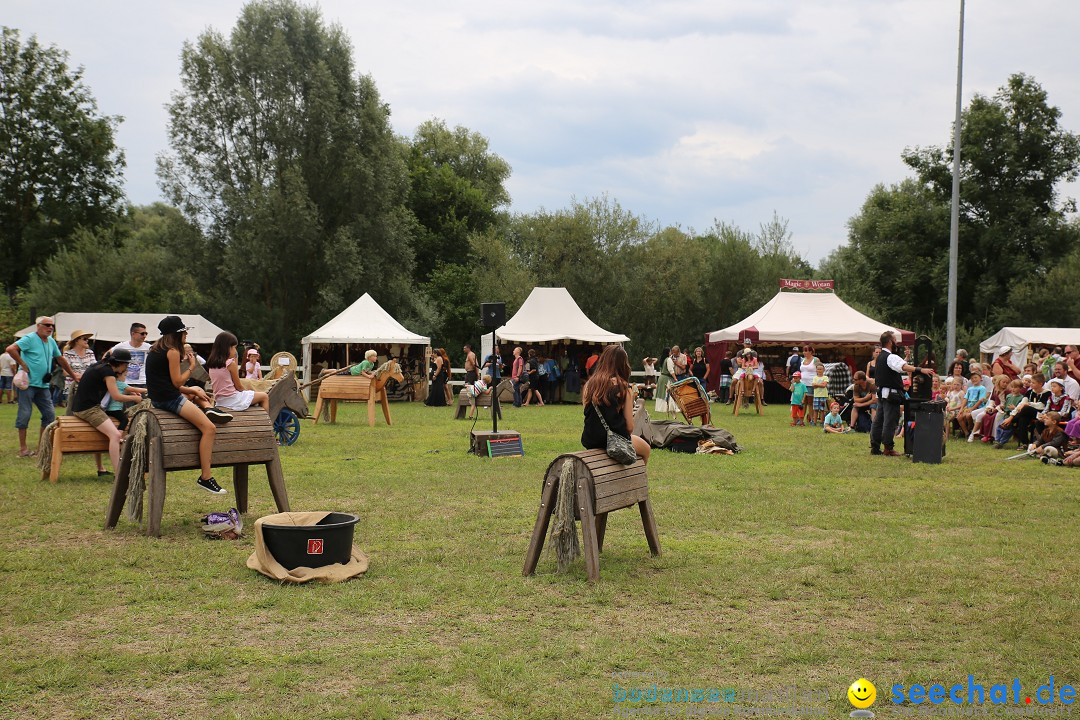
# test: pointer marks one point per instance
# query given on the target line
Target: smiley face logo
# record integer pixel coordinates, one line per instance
(862, 693)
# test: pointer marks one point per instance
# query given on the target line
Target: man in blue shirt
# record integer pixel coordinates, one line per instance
(35, 354)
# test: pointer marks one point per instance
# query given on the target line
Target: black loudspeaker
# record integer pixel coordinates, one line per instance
(492, 315)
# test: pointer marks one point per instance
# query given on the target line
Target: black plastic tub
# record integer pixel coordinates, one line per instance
(328, 542)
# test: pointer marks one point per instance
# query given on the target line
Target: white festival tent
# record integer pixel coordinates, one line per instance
(796, 318)
(362, 323)
(116, 327)
(1020, 339)
(550, 315)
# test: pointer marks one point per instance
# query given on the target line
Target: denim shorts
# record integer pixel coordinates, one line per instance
(172, 406)
(5, 382)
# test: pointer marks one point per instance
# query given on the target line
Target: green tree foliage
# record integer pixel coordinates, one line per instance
(286, 156)
(120, 268)
(456, 188)
(1013, 227)
(59, 165)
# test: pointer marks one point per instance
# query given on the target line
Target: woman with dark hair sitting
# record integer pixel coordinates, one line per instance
(608, 394)
(98, 381)
(165, 384)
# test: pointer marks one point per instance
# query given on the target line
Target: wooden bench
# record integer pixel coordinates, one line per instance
(173, 444)
(603, 485)
(464, 402)
(71, 436)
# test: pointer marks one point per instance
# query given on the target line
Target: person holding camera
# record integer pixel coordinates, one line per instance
(35, 354)
(889, 378)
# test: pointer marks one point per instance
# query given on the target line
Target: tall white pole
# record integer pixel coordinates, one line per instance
(954, 219)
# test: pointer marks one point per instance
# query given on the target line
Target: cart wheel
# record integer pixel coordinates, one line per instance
(286, 427)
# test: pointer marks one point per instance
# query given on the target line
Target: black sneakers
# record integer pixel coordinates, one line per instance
(210, 485)
(217, 415)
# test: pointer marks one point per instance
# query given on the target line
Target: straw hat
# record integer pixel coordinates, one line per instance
(81, 333)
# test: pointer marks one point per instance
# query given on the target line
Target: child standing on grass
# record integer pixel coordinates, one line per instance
(798, 392)
(821, 394)
(167, 391)
(225, 377)
(833, 423)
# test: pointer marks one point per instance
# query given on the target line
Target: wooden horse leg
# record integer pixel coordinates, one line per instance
(318, 409)
(648, 521)
(277, 483)
(587, 512)
(120, 487)
(738, 397)
(156, 489)
(543, 518)
(333, 411)
(240, 486)
(601, 530)
(386, 406)
(57, 456)
(371, 408)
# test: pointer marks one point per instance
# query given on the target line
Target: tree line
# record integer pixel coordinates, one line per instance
(288, 196)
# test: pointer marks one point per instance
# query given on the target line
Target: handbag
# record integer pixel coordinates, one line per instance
(618, 447)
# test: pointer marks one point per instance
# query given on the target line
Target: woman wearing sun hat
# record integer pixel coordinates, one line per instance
(80, 356)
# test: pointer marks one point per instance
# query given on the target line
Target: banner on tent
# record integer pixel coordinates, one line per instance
(788, 284)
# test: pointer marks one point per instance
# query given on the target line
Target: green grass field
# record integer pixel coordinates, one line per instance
(803, 561)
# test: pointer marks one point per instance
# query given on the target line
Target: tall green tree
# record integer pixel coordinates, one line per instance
(1014, 225)
(285, 155)
(456, 188)
(60, 167)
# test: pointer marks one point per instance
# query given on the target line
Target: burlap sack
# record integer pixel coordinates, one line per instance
(262, 561)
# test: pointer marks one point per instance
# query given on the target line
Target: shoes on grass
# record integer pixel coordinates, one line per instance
(890, 453)
(210, 485)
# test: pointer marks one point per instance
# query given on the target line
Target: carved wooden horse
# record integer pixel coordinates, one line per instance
(746, 387)
(359, 388)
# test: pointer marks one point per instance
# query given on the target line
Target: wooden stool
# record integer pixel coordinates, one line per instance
(73, 435)
(603, 485)
(173, 444)
(463, 404)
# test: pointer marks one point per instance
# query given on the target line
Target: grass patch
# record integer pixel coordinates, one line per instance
(802, 561)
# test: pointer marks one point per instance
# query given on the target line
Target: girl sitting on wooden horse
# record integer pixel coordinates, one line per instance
(607, 394)
(225, 377)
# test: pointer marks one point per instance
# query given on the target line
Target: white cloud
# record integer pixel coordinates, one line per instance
(684, 111)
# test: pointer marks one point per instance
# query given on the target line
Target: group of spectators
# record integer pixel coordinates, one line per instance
(167, 372)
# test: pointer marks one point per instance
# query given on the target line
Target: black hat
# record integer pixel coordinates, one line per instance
(119, 355)
(172, 324)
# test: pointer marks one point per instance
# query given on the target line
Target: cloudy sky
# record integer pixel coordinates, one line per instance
(685, 112)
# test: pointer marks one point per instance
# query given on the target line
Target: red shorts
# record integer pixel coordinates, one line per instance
(796, 412)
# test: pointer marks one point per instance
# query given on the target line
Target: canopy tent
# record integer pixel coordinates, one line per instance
(365, 323)
(1020, 339)
(111, 328)
(792, 318)
(820, 319)
(550, 315)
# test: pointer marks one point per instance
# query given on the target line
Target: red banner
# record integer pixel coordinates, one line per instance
(786, 284)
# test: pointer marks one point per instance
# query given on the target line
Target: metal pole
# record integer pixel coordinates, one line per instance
(954, 219)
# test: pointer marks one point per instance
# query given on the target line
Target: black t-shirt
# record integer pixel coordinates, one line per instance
(534, 367)
(159, 384)
(698, 369)
(92, 387)
(725, 366)
(594, 436)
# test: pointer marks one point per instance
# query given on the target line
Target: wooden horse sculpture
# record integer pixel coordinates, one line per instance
(691, 400)
(287, 406)
(358, 388)
(746, 387)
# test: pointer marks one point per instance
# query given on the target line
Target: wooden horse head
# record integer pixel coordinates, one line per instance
(389, 370)
(286, 394)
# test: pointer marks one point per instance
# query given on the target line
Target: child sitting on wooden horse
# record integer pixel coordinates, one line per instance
(222, 364)
(475, 390)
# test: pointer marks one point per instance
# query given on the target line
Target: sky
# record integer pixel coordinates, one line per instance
(686, 112)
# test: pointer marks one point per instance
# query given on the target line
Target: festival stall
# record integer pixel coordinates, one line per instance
(365, 325)
(1026, 340)
(837, 331)
(111, 328)
(550, 322)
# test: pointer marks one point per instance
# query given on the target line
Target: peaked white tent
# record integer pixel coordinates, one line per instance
(1020, 339)
(116, 327)
(551, 315)
(362, 323)
(793, 318)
